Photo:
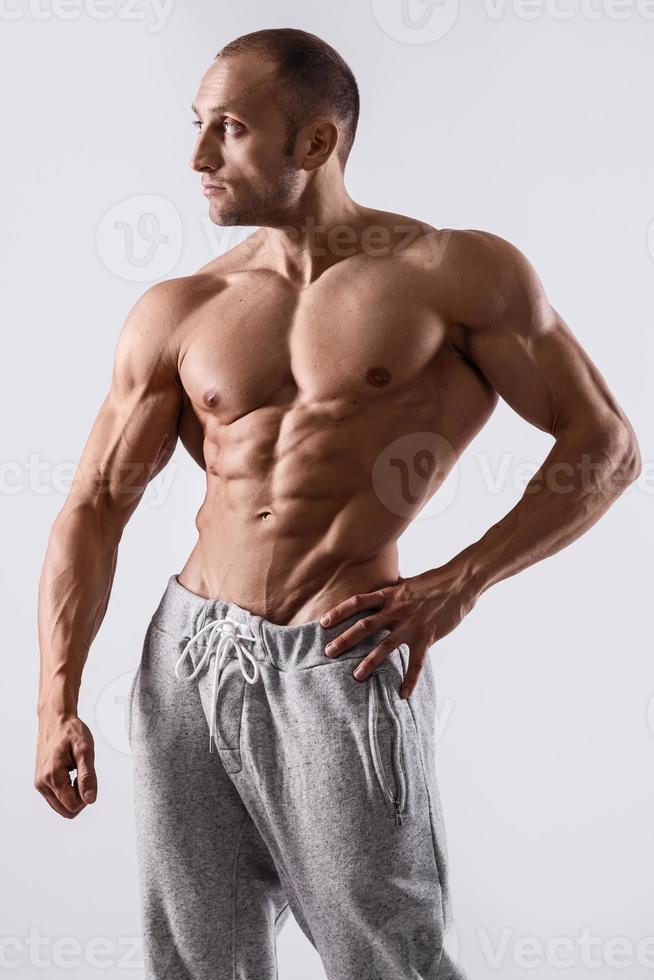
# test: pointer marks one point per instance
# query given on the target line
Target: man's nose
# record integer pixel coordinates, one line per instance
(206, 155)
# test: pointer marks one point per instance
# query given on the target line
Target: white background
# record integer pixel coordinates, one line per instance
(531, 122)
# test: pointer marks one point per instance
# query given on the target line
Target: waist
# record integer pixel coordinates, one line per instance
(291, 588)
(184, 615)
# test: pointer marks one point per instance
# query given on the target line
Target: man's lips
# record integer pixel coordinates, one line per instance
(209, 189)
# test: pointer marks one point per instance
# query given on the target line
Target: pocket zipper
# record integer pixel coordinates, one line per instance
(397, 795)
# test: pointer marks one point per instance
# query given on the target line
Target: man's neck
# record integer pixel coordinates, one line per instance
(314, 239)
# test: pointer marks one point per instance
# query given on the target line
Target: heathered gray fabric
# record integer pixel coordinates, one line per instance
(287, 813)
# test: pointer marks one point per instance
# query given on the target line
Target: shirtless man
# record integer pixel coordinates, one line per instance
(289, 367)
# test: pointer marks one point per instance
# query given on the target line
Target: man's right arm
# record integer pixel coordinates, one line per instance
(132, 439)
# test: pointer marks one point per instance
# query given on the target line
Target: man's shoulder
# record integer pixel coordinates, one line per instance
(170, 300)
(167, 305)
(474, 249)
(452, 252)
(154, 328)
(480, 275)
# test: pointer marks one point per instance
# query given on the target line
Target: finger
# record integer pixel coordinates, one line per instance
(66, 794)
(81, 792)
(50, 798)
(45, 786)
(339, 612)
(354, 634)
(376, 656)
(417, 659)
(87, 782)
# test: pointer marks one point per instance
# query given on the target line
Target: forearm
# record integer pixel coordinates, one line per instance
(578, 481)
(74, 590)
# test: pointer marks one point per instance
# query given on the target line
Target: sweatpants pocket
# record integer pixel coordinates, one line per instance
(229, 715)
(386, 741)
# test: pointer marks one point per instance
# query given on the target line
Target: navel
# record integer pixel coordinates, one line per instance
(378, 376)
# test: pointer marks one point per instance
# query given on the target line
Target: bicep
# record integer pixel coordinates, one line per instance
(136, 429)
(541, 371)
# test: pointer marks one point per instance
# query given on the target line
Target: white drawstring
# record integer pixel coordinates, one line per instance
(228, 629)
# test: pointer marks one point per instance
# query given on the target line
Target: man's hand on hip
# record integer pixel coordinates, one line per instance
(417, 610)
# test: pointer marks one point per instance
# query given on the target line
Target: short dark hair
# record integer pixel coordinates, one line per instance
(313, 76)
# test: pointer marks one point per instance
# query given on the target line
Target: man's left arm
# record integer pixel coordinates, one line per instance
(535, 363)
(519, 342)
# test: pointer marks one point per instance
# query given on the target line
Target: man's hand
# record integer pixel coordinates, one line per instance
(65, 743)
(417, 610)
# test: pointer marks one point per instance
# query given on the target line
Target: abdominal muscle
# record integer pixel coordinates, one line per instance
(299, 512)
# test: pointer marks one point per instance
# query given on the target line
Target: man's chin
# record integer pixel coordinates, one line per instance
(224, 217)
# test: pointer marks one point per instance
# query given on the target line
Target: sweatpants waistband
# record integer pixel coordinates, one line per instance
(184, 614)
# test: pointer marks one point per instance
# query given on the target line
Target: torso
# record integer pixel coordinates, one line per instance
(325, 417)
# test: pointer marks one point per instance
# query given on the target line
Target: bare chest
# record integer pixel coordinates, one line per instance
(346, 341)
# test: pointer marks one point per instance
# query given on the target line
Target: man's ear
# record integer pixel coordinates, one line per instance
(316, 143)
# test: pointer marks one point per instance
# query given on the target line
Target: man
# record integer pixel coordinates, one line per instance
(315, 371)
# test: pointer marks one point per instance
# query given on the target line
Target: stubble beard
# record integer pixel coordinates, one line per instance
(272, 208)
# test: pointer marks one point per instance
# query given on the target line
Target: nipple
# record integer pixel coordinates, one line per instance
(378, 376)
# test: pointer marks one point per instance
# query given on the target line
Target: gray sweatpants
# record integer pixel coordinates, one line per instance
(267, 779)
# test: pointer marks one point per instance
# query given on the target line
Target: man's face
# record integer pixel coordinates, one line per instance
(241, 144)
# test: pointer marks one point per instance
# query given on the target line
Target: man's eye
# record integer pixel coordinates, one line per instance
(226, 122)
